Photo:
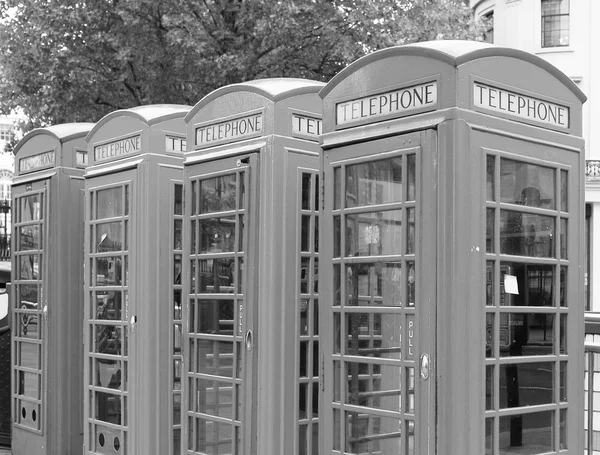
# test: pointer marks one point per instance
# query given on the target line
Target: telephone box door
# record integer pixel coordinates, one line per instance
(221, 209)
(380, 296)
(110, 316)
(30, 312)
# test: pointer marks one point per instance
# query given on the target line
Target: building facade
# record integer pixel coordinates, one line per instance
(8, 129)
(563, 33)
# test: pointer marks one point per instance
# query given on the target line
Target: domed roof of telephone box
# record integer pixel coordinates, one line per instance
(62, 132)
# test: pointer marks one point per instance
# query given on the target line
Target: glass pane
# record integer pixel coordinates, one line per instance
(29, 385)
(108, 339)
(337, 237)
(306, 196)
(305, 233)
(526, 284)
(108, 271)
(373, 386)
(410, 235)
(490, 284)
(489, 387)
(410, 284)
(526, 234)
(489, 339)
(374, 284)
(523, 334)
(532, 433)
(527, 184)
(242, 191)
(374, 334)
(218, 194)
(31, 208)
(337, 188)
(375, 182)
(315, 317)
(28, 327)
(217, 235)
(109, 203)
(215, 357)
(109, 237)
(564, 193)
(108, 407)
(563, 334)
(28, 296)
(489, 436)
(108, 306)
(563, 382)
(29, 267)
(29, 355)
(411, 172)
(216, 317)
(563, 286)
(491, 175)
(526, 384)
(178, 203)
(563, 239)
(371, 234)
(489, 230)
(107, 373)
(367, 433)
(214, 398)
(177, 240)
(217, 276)
(30, 238)
(194, 198)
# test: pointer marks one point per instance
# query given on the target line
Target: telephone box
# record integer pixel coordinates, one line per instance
(251, 259)
(47, 292)
(450, 254)
(132, 321)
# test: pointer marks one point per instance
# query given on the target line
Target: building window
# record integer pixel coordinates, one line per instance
(488, 20)
(555, 23)
(6, 131)
(588, 256)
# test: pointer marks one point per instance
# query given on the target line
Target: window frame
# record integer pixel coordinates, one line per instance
(562, 32)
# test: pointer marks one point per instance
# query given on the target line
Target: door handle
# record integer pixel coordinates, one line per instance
(249, 340)
(425, 366)
(132, 323)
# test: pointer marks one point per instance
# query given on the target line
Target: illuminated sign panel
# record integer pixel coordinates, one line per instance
(127, 146)
(519, 106)
(230, 130)
(31, 163)
(309, 127)
(404, 101)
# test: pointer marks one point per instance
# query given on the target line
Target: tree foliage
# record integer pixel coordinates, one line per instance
(76, 60)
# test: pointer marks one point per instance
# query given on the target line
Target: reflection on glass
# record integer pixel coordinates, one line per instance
(526, 384)
(31, 208)
(215, 357)
(29, 267)
(563, 381)
(178, 205)
(242, 191)
(489, 387)
(29, 384)
(523, 334)
(305, 233)
(491, 174)
(109, 203)
(177, 268)
(217, 235)
(108, 373)
(177, 236)
(28, 326)
(489, 436)
(563, 285)
(108, 271)
(532, 433)
(29, 355)
(305, 196)
(563, 333)
(563, 238)
(337, 428)
(374, 334)
(373, 386)
(337, 188)
(30, 238)
(412, 185)
(108, 339)
(410, 284)
(410, 389)
(216, 317)
(216, 276)
(489, 338)
(305, 276)
(370, 234)
(534, 284)
(374, 284)
(366, 433)
(108, 306)
(410, 236)
(564, 185)
(213, 438)
(489, 283)
(337, 237)
(315, 315)
(214, 398)
(218, 194)
(489, 230)
(526, 234)
(108, 407)
(375, 182)
(28, 294)
(527, 184)
(109, 237)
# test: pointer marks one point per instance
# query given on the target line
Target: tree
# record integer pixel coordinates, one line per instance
(76, 60)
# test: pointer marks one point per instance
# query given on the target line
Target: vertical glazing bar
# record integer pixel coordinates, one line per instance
(590, 403)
